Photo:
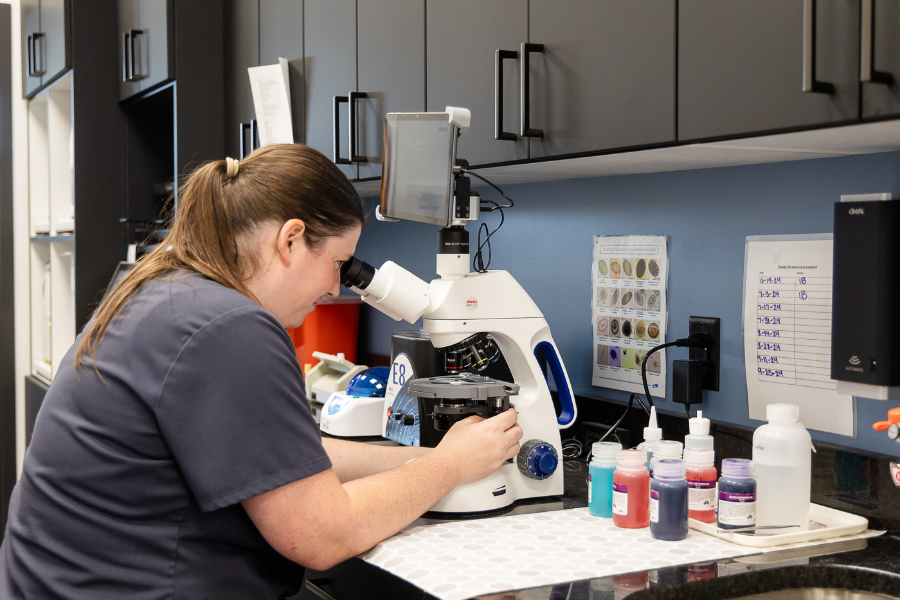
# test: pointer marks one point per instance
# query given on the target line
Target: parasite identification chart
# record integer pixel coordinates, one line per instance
(628, 315)
(787, 330)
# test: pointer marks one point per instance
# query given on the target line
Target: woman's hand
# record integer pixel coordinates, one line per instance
(353, 517)
(477, 447)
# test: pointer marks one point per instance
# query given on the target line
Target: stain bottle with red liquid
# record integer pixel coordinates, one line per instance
(631, 490)
(701, 479)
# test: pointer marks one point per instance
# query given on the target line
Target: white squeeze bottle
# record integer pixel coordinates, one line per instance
(652, 434)
(699, 436)
(783, 462)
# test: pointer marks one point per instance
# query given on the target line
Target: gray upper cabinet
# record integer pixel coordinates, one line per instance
(748, 66)
(329, 28)
(880, 58)
(282, 23)
(128, 21)
(241, 52)
(157, 21)
(55, 25)
(46, 45)
(461, 68)
(147, 49)
(391, 67)
(605, 77)
(32, 70)
(260, 32)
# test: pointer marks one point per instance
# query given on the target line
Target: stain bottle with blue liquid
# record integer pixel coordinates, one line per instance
(600, 478)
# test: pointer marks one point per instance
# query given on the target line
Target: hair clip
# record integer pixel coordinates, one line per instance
(231, 168)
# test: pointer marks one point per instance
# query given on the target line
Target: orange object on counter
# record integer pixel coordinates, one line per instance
(332, 328)
(893, 418)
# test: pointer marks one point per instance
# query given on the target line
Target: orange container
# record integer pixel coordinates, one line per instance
(332, 328)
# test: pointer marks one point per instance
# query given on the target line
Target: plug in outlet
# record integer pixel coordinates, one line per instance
(709, 326)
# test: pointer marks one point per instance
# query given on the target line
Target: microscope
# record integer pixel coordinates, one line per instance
(472, 317)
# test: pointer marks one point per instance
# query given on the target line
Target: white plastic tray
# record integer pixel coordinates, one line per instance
(824, 523)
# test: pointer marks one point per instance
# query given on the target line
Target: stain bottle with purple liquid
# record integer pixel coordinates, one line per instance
(737, 494)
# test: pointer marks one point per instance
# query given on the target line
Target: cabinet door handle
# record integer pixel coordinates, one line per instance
(867, 72)
(133, 72)
(242, 136)
(29, 59)
(809, 52)
(336, 116)
(499, 57)
(126, 45)
(254, 135)
(354, 127)
(525, 91)
(37, 55)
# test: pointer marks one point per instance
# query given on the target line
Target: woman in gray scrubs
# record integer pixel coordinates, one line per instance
(175, 455)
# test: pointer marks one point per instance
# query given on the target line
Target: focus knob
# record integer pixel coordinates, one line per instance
(409, 419)
(537, 459)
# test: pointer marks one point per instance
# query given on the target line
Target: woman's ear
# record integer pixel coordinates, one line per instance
(289, 240)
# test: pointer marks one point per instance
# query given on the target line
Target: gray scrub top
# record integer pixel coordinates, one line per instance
(132, 483)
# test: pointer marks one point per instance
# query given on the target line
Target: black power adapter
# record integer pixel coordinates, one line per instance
(687, 380)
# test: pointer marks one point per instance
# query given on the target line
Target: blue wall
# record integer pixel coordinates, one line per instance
(547, 240)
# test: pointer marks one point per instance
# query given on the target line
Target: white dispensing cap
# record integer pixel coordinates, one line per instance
(699, 425)
(699, 457)
(699, 436)
(782, 412)
(605, 451)
(667, 449)
(652, 433)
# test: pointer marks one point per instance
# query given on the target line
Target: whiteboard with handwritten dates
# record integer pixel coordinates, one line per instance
(787, 330)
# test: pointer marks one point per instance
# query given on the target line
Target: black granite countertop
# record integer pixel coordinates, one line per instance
(871, 564)
(842, 479)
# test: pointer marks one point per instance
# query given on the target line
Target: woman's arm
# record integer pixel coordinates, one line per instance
(353, 460)
(319, 522)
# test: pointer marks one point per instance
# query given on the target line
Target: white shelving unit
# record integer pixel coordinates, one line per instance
(51, 226)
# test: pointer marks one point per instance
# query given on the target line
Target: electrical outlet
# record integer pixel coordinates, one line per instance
(709, 326)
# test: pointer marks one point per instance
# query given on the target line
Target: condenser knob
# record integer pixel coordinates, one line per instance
(537, 459)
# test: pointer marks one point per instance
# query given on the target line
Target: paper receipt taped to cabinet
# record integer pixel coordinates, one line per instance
(272, 103)
(629, 312)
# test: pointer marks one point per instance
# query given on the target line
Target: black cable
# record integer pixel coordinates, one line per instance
(641, 402)
(478, 263)
(695, 340)
(622, 418)
(507, 198)
(644, 368)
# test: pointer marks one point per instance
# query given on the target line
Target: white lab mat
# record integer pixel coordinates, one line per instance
(462, 559)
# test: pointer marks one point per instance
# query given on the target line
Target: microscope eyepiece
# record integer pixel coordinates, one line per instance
(357, 273)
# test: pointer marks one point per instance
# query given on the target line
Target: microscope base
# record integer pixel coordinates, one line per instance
(499, 490)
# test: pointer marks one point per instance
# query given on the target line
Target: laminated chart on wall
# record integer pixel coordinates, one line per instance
(629, 281)
(787, 330)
